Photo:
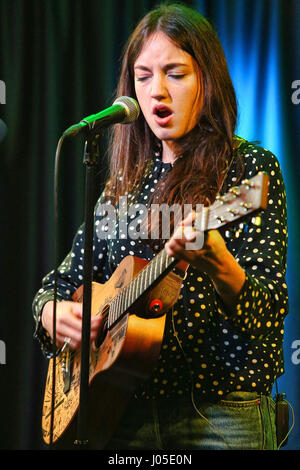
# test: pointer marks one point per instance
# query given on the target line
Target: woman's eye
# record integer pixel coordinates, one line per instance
(176, 76)
(142, 79)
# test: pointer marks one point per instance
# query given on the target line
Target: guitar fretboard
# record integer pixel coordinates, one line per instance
(139, 285)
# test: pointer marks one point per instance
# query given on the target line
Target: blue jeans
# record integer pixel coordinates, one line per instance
(241, 421)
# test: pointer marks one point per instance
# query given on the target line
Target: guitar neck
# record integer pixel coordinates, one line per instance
(145, 279)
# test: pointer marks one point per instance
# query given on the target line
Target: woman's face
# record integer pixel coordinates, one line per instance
(168, 88)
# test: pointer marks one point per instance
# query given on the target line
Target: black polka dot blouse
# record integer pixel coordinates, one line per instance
(214, 352)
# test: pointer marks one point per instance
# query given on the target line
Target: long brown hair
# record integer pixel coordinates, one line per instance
(207, 150)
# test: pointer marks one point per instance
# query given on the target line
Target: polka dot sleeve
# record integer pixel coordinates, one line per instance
(263, 301)
(70, 278)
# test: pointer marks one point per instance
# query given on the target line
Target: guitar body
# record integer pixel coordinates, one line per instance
(125, 356)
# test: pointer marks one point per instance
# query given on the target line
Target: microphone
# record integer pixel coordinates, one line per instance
(124, 110)
(3, 130)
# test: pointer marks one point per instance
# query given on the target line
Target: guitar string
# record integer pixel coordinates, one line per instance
(62, 356)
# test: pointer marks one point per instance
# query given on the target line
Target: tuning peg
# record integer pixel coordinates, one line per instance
(249, 184)
(234, 211)
(247, 205)
(220, 198)
(235, 190)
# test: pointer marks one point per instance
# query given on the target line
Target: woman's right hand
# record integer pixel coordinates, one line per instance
(68, 323)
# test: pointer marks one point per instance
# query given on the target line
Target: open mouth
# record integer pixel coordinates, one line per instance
(162, 113)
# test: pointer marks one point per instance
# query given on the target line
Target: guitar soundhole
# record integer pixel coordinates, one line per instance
(103, 329)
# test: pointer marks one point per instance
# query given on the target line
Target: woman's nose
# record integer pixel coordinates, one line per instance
(158, 87)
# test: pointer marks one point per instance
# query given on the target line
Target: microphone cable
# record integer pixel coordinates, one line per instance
(56, 264)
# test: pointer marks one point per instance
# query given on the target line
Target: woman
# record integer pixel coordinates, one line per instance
(222, 346)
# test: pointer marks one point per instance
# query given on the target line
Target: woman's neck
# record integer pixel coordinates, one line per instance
(168, 153)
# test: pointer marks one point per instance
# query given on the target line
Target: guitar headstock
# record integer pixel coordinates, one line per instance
(238, 202)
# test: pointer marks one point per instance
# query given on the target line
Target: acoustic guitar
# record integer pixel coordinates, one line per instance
(133, 304)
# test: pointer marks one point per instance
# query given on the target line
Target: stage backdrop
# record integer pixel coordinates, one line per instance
(59, 62)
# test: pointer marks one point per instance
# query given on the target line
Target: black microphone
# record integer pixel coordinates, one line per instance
(124, 110)
(3, 130)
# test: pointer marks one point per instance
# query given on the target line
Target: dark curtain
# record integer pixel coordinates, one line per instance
(59, 60)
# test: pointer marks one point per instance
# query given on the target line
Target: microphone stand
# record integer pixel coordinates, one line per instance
(91, 154)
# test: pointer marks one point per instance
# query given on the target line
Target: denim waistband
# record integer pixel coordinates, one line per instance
(186, 398)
